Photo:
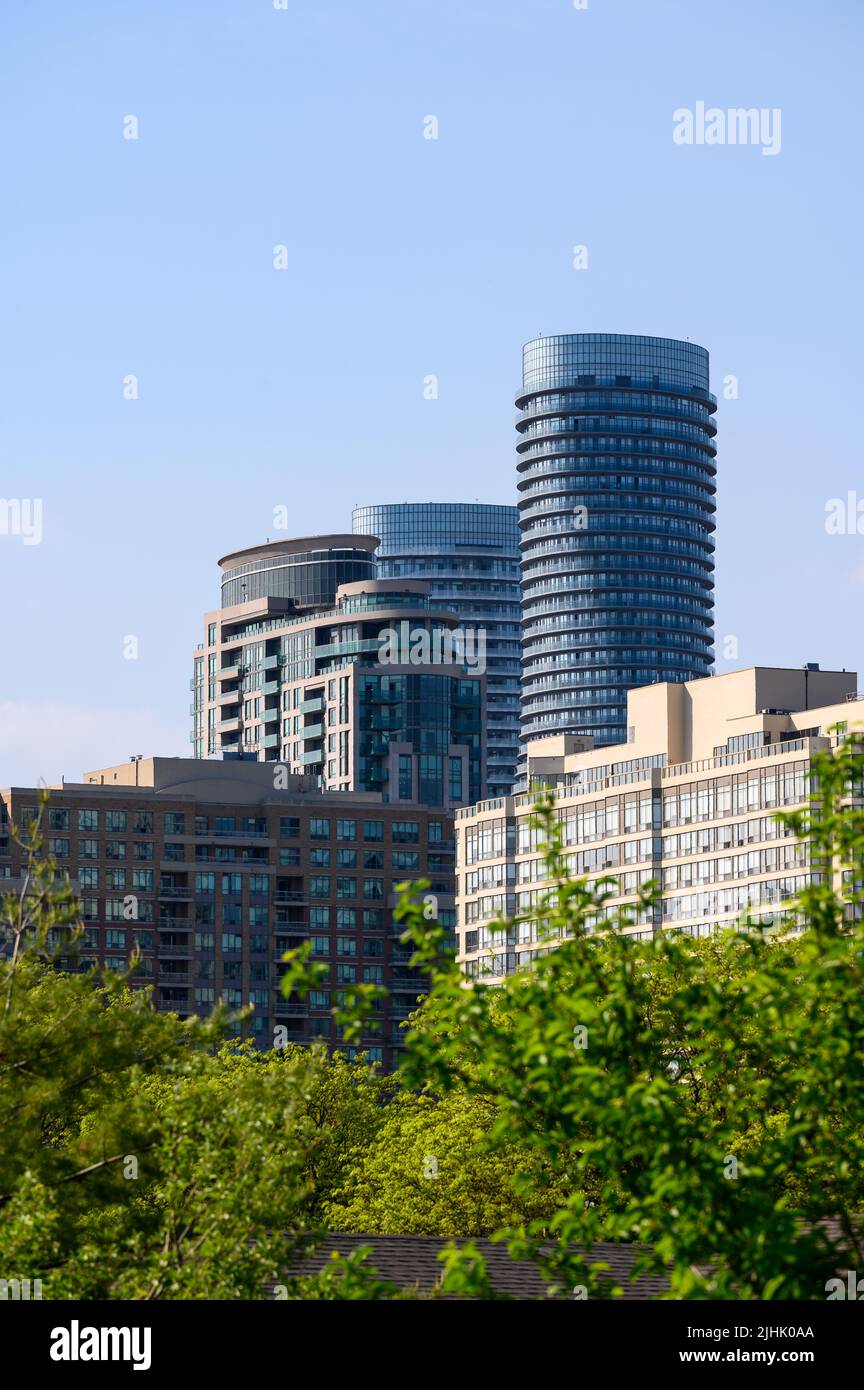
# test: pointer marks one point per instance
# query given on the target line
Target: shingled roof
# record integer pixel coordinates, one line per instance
(411, 1262)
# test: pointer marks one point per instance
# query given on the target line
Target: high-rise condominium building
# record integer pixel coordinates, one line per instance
(468, 553)
(688, 802)
(212, 874)
(616, 480)
(365, 683)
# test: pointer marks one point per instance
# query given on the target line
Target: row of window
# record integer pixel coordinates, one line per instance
(403, 861)
(174, 823)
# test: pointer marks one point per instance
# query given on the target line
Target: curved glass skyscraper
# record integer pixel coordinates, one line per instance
(469, 554)
(616, 510)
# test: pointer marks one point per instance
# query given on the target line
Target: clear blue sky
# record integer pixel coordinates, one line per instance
(304, 387)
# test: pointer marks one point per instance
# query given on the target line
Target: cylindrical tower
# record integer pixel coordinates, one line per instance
(616, 480)
(469, 554)
(307, 570)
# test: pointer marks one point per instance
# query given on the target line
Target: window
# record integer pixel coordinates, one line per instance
(88, 849)
(174, 823)
(115, 820)
(373, 859)
(373, 830)
(434, 832)
(319, 886)
(57, 819)
(373, 946)
(346, 974)
(455, 779)
(346, 945)
(319, 918)
(346, 918)
(373, 919)
(320, 945)
(319, 828)
(345, 858)
(115, 849)
(205, 883)
(406, 780)
(373, 888)
(406, 859)
(232, 883)
(373, 974)
(289, 856)
(232, 941)
(115, 940)
(58, 846)
(319, 999)
(88, 820)
(319, 858)
(142, 822)
(346, 830)
(406, 832)
(346, 888)
(88, 878)
(289, 827)
(225, 825)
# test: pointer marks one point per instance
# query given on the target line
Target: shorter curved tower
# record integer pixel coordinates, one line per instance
(468, 553)
(307, 570)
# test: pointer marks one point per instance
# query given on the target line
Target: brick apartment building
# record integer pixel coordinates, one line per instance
(213, 874)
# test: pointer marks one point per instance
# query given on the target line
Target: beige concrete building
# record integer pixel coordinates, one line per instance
(688, 802)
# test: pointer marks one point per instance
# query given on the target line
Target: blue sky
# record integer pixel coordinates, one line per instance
(303, 388)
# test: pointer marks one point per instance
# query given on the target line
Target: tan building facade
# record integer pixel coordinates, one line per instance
(688, 802)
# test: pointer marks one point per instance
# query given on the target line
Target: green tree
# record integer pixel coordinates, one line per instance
(432, 1170)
